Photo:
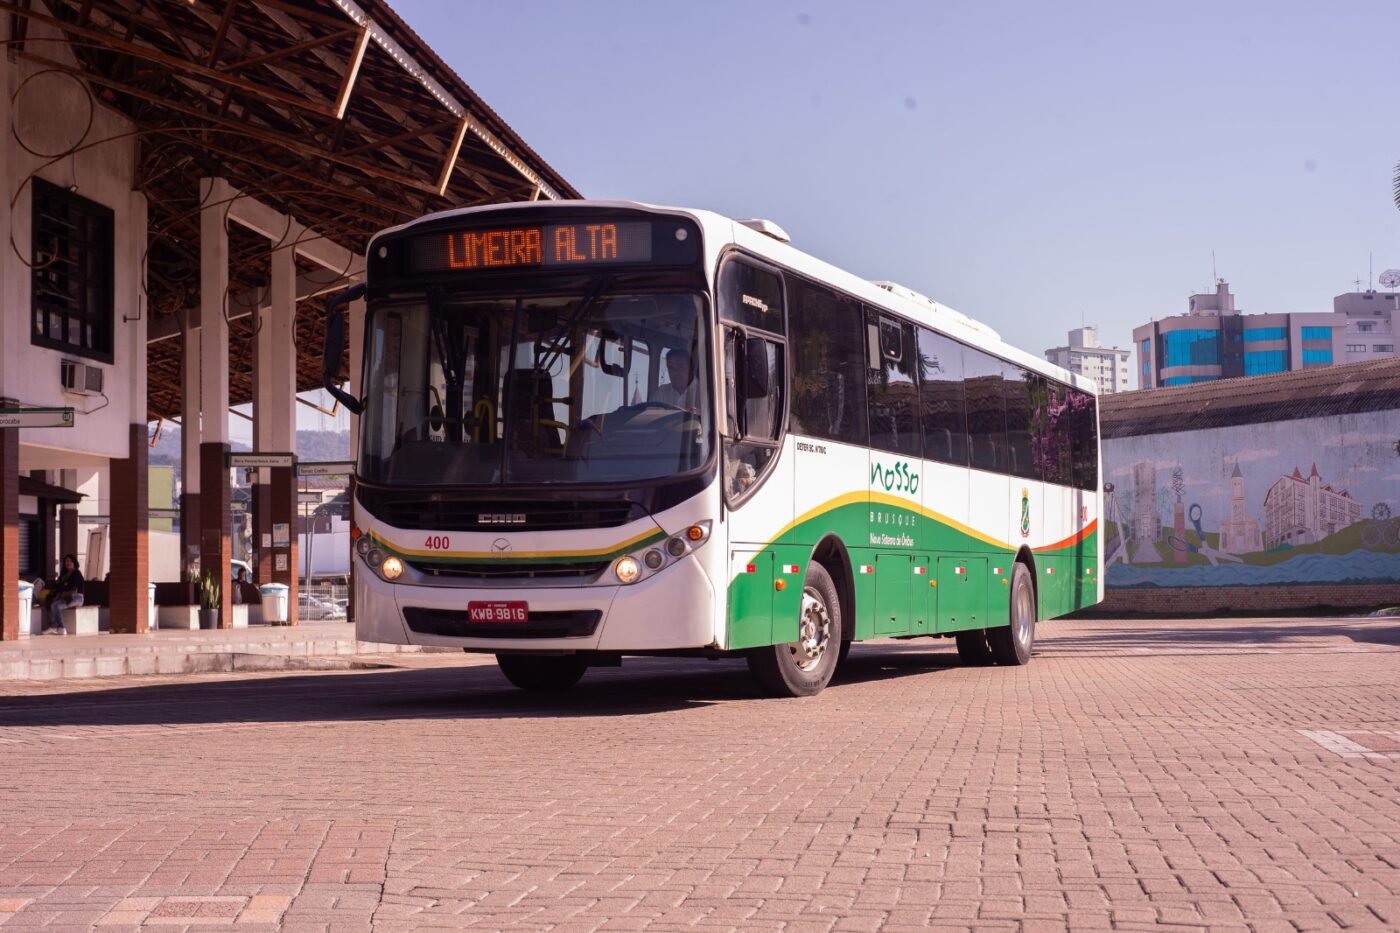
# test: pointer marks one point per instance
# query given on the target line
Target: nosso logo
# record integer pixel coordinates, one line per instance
(898, 478)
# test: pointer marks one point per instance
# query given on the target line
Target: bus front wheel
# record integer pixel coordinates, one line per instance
(804, 667)
(1011, 644)
(542, 673)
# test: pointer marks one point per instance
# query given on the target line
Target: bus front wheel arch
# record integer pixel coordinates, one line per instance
(832, 555)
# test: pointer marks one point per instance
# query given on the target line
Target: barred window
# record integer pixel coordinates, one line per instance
(72, 258)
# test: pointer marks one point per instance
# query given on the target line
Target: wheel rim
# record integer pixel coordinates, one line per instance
(1024, 613)
(813, 632)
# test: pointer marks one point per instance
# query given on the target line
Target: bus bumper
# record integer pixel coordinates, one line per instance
(672, 610)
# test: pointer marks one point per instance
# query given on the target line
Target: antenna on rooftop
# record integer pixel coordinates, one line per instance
(1357, 283)
(1214, 279)
(1370, 272)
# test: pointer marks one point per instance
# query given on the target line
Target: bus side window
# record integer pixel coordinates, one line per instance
(943, 410)
(828, 364)
(1021, 390)
(986, 412)
(891, 389)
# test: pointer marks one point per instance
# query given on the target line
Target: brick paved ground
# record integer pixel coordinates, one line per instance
(1225, 775)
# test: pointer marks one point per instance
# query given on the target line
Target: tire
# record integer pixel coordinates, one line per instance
(972, 648)
(1012, 644)
(803, 668)
(542, 673)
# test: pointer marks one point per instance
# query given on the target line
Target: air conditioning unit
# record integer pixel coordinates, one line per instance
(80, 378)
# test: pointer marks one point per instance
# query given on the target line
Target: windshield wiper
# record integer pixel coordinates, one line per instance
(583, 307)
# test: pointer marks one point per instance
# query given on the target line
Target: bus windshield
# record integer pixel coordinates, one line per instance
(599, 387)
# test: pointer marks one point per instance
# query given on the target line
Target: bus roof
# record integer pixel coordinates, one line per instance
(720, 231)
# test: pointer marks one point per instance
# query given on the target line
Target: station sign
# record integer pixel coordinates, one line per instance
(309, 498)
(163, 513)
(237, 507)
(326, 468)
(262, 460)
(36, 417)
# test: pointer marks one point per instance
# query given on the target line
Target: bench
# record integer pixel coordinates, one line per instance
(83, 620)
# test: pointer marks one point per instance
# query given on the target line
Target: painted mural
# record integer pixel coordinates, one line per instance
(1309, 501)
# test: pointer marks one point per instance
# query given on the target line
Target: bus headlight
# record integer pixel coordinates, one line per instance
(375, 557)
(363, 545)
(627, 569)
(653, 559)
(392, 568)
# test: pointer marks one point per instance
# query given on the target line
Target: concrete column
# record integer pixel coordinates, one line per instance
(282, 417)
(189, 442)
(214, 490)
(262, 443)
(68, 517)
(357, 359)
(9, 533)
(130, 547)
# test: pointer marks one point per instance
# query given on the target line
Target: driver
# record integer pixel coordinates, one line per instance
(683, 392)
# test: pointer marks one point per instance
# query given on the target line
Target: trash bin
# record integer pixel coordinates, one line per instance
(274, 602)
(151, 608)
(26, 605)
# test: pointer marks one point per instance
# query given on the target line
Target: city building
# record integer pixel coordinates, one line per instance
(1369, 324)
(1303, 511)
(1215, 340)
(1107, 366)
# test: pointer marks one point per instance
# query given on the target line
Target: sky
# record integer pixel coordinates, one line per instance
(1036, 166)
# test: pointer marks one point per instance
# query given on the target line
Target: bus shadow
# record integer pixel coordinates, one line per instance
(643, 686)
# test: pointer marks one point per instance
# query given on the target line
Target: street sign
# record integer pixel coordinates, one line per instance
(326, 468)
(238, 508)
(95, 519)
(163, 513)
(36, 417)
(262, 460)
(309, 498)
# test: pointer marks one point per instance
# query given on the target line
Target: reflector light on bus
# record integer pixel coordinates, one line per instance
(750, 568)
(959, 570)
(996, 570)
(866, 568)
(789, 568)
(920, 571)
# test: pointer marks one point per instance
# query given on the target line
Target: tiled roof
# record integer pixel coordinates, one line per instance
(1308, 393)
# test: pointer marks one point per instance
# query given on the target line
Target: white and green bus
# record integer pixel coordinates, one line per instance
(592, 430)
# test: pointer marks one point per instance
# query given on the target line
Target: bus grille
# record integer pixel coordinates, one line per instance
(582, 573)
(447, 514)
(572, 623)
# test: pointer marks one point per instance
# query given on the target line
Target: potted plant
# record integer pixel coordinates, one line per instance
(207, 585)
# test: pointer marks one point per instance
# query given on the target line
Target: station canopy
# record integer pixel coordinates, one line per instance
(331, 112)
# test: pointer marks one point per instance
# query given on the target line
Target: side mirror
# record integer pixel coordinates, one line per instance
(334, 350)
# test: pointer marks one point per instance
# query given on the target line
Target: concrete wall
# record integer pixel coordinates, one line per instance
(50, 114)
(1346, 539)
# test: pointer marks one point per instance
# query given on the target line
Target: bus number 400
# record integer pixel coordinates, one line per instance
(436, 543)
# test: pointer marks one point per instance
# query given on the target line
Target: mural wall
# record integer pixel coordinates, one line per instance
(1289, 502)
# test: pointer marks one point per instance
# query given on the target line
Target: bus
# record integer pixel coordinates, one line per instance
(591, 430)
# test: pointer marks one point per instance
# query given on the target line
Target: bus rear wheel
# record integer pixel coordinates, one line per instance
(804, 667)
(542, 673)
(1012, 644)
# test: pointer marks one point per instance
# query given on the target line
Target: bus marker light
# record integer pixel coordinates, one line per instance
(779, 585)
(959, 570)
(1050, 570)
(695, 533)
(866, 568)
(933, 583)
(920, 571)
(750, 568)
(996, 571)
(355, 533)
(627, 569)
(789, 568)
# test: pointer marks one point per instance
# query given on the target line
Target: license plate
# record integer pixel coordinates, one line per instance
(514, 611)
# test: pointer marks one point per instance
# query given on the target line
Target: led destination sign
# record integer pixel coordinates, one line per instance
(548, 245)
